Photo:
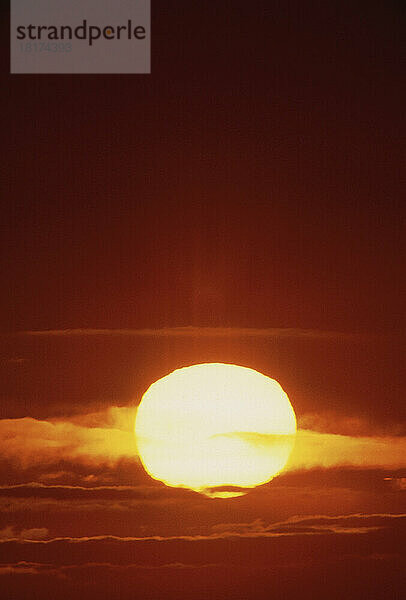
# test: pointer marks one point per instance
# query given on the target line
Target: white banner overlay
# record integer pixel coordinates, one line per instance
(80, 36)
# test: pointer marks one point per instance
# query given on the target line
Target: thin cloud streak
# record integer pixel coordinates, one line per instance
(9, 533)
(307, 526)
(192, 331)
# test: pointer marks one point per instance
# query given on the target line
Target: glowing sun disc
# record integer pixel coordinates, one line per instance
(215, 425)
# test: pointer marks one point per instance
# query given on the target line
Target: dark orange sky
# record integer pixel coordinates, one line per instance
(242, 204)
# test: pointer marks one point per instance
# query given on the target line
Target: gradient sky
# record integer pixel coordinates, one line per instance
(242, 204)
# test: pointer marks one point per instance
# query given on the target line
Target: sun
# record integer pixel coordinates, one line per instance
(212, 426)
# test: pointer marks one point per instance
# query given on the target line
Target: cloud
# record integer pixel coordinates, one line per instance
(313, 524)
(292, 557)
(319, 526)
(24, 568)
(29, 441)
(10, 534)
(66, 493)
(192, 331)
(107, 437)
(14, 361)
(309, 525)
(313, 449)
(397, 483)
(310, 575)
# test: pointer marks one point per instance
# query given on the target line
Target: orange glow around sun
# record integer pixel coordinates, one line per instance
(213, 425)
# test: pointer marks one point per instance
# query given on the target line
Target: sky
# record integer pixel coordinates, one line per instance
(240, 204)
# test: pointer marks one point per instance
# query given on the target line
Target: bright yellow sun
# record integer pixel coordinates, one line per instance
(215, 425)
